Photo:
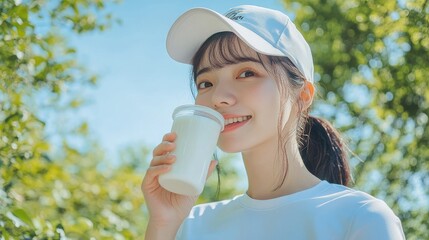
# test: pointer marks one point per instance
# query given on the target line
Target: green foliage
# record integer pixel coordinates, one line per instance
(70, 192)
(50, 188)
(371, 59)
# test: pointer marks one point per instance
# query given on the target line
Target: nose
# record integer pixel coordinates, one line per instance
(223, 95)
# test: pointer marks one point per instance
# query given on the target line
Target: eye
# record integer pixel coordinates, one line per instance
(203, 85)
(247, 73)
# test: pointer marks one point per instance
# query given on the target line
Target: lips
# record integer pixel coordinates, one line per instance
(233, 122)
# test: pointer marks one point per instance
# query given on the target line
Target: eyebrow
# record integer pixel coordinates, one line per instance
(240, 60)
(203, 70)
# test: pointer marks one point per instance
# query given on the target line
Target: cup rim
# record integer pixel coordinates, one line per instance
(204, 109)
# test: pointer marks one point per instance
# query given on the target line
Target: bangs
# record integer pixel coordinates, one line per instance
(223, 49)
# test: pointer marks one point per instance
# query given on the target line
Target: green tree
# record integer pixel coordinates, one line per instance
(53, 180)
(72, 197)
(371, 61)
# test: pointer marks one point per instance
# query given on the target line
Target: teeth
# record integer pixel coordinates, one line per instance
(234, 120)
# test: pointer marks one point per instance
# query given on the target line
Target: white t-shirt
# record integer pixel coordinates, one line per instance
(325, 211)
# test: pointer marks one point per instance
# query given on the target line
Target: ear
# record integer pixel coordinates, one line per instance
(307, 94)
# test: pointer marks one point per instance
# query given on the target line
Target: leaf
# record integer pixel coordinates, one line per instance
(23, 216)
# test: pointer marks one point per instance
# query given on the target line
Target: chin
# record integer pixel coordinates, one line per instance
(228, 147)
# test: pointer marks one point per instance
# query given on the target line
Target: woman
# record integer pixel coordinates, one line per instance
(254, 67)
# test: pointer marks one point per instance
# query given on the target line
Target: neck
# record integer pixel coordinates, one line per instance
(265, 166)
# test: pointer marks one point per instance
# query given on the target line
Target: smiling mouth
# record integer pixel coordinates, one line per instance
(231, 121)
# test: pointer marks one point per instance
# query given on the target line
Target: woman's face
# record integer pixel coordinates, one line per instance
(248, 98)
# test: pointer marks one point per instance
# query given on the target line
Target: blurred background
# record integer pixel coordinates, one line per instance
(87, 90)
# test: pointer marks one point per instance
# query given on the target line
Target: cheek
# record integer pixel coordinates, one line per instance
(266, 102)
(267, 98)
(201, 100)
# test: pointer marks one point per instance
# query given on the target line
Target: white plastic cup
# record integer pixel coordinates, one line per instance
(197, 128)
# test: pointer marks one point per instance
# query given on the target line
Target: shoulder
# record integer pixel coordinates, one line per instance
(370, 217)
(339, 195)
(351, 196)
(376, 218)
(361, 203)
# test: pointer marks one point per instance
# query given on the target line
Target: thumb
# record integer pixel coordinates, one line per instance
(212, 167)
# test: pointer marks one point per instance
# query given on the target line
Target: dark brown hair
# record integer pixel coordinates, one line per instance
(320, 145)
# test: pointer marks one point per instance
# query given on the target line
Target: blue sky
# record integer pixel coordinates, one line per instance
(139, 85)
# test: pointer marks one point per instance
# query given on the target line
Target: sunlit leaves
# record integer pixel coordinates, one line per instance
(381, 47)
(49, 189)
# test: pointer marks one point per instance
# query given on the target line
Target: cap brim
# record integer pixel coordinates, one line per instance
(195, 26)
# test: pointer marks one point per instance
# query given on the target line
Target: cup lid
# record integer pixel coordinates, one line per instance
(202, 111)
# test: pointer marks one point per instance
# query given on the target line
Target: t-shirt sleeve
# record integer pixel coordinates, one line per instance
(374, 220)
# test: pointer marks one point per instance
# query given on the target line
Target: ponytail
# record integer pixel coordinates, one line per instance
(324, 153)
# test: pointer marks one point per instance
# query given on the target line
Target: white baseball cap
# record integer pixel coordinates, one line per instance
(267, 31)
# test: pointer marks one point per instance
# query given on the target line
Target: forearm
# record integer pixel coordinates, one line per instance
(161, 232)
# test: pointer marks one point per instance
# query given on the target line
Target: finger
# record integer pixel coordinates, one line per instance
(212, 167)
(151, 177)
(169, 137)
(163, 159)
(164, 148)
